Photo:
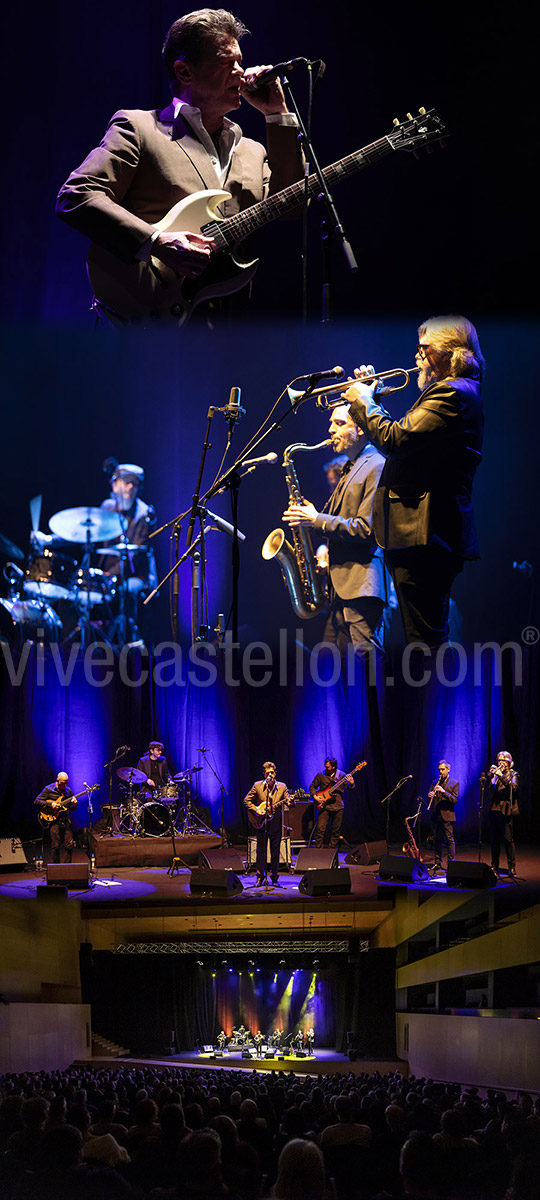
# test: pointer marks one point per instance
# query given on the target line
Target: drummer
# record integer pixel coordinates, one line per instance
(137, 567)
(155, 767)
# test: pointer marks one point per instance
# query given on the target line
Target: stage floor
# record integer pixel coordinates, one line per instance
(115, 887)
(323, 1062)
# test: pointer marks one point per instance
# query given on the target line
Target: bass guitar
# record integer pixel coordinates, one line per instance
(61, 806)
(134, 291)
(257, 812)
(323, 797)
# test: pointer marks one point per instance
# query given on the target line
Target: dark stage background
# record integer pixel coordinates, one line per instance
(453, 231)
(196, 1002)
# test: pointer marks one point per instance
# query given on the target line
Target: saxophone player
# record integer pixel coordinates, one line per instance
(358, 580)
(442, 797)
(503, 807)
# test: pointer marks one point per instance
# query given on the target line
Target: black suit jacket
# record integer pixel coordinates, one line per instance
(145, 764)
(356, 564)
(445, 806)
(425, 493)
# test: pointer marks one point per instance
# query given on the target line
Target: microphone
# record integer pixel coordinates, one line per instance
(233, 410)
(330, 374)
(225, 526)
(150, 516)
(273, 72)
(202, 749)
(253, 462)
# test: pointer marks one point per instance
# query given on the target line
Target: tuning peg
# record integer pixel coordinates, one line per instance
(395, 121)
(422, 112)
(409, 116)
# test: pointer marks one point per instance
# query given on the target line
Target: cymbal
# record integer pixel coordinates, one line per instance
(85, 524)
(184, 774)
(9, 548)
(131, 774)
(119, 548)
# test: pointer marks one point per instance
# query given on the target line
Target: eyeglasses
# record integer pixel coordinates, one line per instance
(422, 349)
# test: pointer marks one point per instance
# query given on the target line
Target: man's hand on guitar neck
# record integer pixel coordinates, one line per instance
(187, 253)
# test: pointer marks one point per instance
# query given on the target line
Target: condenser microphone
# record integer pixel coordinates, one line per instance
(273, 72)
(233, 410)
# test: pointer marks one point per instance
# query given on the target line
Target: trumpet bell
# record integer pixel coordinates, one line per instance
(273, 544)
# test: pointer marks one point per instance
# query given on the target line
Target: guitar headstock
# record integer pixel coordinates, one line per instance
(416, 132)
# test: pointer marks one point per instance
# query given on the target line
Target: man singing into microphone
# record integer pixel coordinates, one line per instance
(148, 161)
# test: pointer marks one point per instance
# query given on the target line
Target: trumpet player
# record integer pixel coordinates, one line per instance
(422, 515)
(442, 797)
(358, 581)
(503, 807)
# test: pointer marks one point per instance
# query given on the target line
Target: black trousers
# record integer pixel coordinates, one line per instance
(501, 832)
(422, 578)
(326, 818)
(444, 837)
(358, 623)
(61, 842)
(274, 832)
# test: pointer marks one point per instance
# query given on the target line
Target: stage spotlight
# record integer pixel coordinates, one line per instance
(250, 962)
(199, 962)
(316, 962)
(224, 962)
(282, 962)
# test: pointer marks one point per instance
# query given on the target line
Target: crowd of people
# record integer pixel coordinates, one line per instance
(173, 1133)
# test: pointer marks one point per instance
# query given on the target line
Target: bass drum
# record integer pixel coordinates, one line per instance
(155, 819)
(49, 574)
(28, 621)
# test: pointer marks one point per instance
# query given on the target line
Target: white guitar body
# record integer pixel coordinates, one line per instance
(134, 291)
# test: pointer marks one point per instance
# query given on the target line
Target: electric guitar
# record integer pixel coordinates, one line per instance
(323, 797)
(133, 291)
(62, 806)
(257, 812)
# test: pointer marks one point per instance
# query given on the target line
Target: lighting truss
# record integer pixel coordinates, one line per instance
(254, 949)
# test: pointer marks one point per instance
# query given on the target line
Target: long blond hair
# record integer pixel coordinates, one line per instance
(457, 337)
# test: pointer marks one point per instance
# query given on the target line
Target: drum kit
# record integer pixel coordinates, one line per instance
(56, 590)
(147, 811)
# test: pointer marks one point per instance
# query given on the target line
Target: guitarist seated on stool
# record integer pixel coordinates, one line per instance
(330, 809)
(264, 803)
(55, 801)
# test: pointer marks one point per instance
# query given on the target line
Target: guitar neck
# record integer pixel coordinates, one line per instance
(234, 229)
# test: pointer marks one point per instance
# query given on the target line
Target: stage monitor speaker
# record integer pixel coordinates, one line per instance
(270, 1054)
(470, 875)
(70, 875)
(218, 1054)
(226, 859)
(214, 882)
(12, 856)
(402, 868)
(335, 881)
(300, 1054)
(309, 859)
(366, 854)
(280, 1054)
(246, 1054)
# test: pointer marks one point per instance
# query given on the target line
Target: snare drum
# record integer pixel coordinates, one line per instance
(167, 793)
(92, 587)
(49, 574)
(156, 819)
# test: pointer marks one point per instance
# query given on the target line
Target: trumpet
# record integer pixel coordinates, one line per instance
(320, 394)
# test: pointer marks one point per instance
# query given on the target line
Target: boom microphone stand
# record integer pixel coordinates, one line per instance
(386, 800)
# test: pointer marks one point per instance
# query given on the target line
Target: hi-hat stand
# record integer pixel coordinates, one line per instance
(187, 823)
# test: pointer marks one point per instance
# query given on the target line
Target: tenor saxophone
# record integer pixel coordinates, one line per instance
(409, 847)
(297, 562)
